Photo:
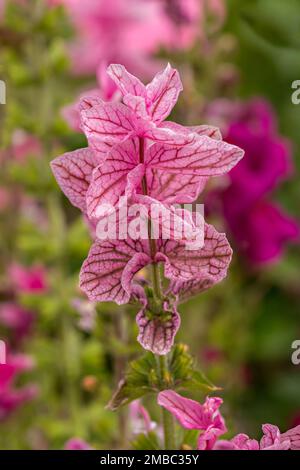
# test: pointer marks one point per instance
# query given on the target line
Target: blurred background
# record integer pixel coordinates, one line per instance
(238, 61)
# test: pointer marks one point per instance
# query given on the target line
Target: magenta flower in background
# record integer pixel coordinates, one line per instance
(260, 227)
(31, 280)
(16, 318)
(261, 230)
(12, 398)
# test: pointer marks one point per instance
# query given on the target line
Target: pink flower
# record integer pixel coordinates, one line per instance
(107, 91)
(12, 398)
(77, 444)
(140, 115)
(132, 152)
(207, 418)
(108, 125)
(22, 146)
(261, 230)
(127, 31)
(271, 440)
(186, 20)
(30, 280)
(293, 435)
(193, 415)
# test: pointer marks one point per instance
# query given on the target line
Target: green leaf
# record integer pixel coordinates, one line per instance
(143, 377)
(140, 378)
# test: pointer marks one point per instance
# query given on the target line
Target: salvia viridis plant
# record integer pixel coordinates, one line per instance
(149, 241)
(138, 158)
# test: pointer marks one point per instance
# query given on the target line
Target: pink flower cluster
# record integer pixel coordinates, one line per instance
(134, 151)
(208, 419)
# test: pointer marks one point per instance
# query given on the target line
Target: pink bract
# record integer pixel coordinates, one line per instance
(193, 415)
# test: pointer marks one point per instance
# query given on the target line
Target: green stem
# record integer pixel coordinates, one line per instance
(168, 421)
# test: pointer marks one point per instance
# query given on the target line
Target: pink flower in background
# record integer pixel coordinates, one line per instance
(22, 146)
(107, 91)
(261, 230)
(267, 155)
(87, 312)
(30, 280)
(260, 227)
(77, 444)
(186, 20)
(193, 415)
(126, 31)
(16, 318)
(12, 398)
(139, 418)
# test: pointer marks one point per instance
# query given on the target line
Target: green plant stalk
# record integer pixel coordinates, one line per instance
(168, 421)
(167, 418)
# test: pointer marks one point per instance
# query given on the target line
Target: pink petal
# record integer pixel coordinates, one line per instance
(174, 188)
(165, 136)
(137, 104)
(109, 180)
(187, 289)
(101, 275)
(211, 260)
(139, 418)
(207, 440)
(209, 131)
(293, 435)
(156, 334)
(271, 435)
(188, 412)
(107, 123)
(163, 92)
(127, 83)
(73, 172)
(243, 442)
(205, 157)
(191, 414)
